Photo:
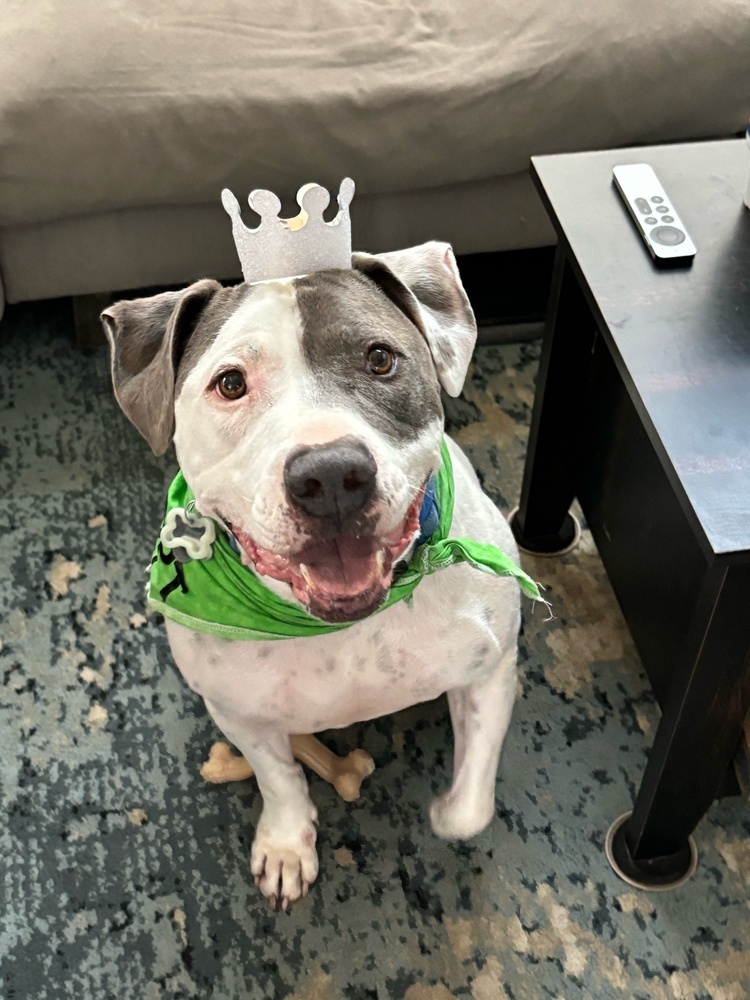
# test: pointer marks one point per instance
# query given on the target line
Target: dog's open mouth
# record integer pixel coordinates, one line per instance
(341, 579)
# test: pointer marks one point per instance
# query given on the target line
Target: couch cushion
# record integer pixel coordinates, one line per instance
(175, 244)
(130, 103)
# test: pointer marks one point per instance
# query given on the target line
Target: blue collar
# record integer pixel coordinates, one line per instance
(429, 515)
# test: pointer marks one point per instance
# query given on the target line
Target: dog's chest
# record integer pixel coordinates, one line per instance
(403, 656)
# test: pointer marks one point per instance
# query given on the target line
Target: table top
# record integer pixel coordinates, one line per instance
(679, 337)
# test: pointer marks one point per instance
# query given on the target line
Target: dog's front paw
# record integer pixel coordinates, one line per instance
(458, 819)
(284, 864)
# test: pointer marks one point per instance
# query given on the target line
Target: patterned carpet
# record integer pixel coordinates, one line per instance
(124, 875)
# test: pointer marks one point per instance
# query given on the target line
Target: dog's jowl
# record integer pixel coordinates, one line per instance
(357, 568)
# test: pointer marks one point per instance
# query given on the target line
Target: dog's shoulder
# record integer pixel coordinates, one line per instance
(475, 515)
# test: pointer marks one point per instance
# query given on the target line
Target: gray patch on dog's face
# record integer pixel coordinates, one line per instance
(223, 303)
(343, 315)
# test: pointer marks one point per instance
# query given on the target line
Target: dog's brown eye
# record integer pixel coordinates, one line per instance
(381, 360)
(231, 385)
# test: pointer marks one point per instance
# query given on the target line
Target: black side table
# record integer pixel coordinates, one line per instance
(642, 411)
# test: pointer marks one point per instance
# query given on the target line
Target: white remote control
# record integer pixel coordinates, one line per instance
(659, 224)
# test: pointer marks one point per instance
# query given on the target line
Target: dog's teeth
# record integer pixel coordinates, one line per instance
(304, 572)
(380, 560)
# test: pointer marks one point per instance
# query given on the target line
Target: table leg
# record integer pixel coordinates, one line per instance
(698, 735)
(542, 522)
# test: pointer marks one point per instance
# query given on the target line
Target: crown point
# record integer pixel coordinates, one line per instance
(346, 193)
(313, 199)
(265, 203)
(230, 203)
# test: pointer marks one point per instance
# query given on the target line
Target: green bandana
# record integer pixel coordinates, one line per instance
(223, 597)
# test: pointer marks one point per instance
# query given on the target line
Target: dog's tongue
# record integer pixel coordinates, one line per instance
(341, 567)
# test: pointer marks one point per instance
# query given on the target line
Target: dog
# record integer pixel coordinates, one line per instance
(307, 419)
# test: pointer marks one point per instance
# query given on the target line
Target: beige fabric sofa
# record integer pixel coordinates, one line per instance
(121, 121)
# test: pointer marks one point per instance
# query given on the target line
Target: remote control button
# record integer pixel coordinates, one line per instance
(643, 206)
(667, 218)
(651, 220)
(668, 236)
(657, 200)
(662, 208)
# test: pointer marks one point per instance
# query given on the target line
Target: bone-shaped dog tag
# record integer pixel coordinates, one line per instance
(188, 534)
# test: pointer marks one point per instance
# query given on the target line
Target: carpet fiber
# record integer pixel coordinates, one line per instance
(124, 875)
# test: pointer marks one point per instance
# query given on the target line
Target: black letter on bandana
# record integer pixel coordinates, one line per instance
(179, 578)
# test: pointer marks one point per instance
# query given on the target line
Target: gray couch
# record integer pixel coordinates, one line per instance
(121, 121)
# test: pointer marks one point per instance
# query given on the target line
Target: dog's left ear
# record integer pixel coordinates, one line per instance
(424, 283)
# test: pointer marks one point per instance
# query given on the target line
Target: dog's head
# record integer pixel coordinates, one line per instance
(306, 412)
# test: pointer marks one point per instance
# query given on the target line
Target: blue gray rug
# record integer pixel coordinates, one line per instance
(125, 876)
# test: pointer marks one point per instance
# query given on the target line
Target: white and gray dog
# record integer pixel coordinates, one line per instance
(307, 420)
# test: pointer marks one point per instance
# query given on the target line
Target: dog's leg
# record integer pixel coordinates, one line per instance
(283, 861)
(480, 715)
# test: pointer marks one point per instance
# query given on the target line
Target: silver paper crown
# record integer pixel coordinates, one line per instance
(288, 248)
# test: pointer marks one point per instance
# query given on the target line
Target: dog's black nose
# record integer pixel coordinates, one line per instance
(332, 481)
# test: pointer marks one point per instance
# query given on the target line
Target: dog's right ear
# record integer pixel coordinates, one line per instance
(147, 338)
